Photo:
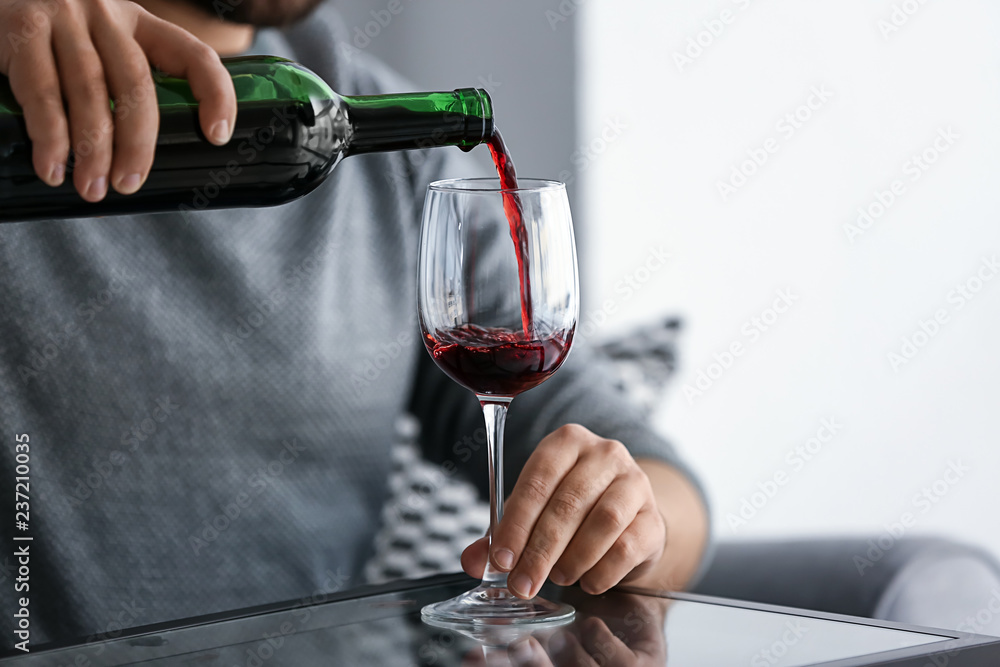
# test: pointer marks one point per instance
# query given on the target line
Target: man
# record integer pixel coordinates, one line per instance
(199, 436)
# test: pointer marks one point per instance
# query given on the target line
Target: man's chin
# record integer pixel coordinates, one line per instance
(258, 13)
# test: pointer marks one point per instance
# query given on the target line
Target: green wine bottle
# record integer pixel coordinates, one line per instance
(291, 131)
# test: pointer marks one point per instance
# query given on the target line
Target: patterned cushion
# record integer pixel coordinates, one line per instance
(643, 361)
(428, 519)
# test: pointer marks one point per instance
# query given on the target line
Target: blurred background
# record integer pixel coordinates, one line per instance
(822, 177)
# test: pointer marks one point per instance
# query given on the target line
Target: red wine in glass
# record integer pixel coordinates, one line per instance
(497, 362)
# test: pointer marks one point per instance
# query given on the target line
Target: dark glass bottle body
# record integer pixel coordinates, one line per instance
(291, 131)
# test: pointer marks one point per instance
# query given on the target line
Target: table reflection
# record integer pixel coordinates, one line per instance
(615, 629)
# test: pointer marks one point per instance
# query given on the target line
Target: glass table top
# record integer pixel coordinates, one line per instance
(383, 627)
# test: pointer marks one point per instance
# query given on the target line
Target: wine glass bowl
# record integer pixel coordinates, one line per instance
(498, 303)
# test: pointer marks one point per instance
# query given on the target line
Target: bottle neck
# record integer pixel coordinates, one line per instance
(378, 123)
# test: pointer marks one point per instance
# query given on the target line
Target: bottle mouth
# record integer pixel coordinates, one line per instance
(487, 109)
(478, 115)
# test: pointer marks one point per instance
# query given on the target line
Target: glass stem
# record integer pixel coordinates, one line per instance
(495, 413)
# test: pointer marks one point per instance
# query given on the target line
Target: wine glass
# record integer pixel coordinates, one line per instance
(498, 302)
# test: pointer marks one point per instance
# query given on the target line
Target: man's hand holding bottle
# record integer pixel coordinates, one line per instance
(66, 58)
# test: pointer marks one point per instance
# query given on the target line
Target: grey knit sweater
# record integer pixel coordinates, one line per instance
(210, 398)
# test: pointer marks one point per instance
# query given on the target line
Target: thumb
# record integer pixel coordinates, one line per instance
(474, 557)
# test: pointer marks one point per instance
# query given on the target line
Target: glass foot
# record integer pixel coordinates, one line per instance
(495, 606)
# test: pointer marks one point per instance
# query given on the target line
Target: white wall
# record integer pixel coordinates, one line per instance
(655, 184)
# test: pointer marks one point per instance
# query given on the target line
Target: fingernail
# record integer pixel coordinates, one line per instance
(220, 131)
(57, 174)
(558, 578)
(557, 644)
(129, 184)
(98, 188)
(504, 558)
(521, 585)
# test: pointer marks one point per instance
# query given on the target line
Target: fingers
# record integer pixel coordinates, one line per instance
(84, 89)
(82, 52)
(540, 477)
(35, 84)
(634, 550)
(568, 506)
(178, 53)
(582, 510)
(558, 488)
(136, 114)
(85, 51)
(474, 558)
(611, 515)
